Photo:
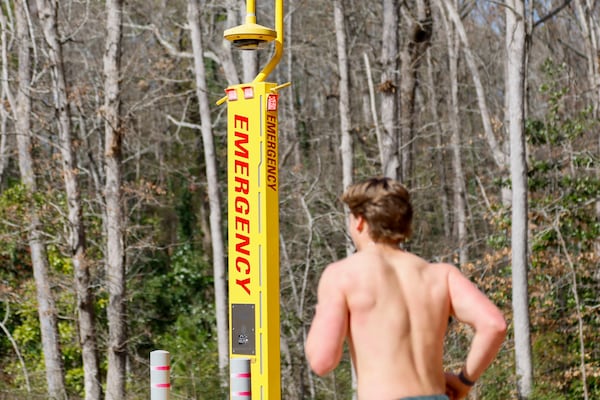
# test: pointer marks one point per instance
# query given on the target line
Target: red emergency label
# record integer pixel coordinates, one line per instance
(272, 102)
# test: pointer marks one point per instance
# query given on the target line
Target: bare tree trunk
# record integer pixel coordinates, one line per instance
(224, 50)
(344, 101)
(219, 270)
(439, 155)
(3, 142)
(115, 221)
(372, 103)
(500, 156)
(249, 58)
(578, 306)
(55, 378)
(515, 53)
(291, 118)
(5, 95)
(460, 213)
(410, 59)
(388, 143)
(48, 11)
(293, 380)
(15, 346)
(591, 34)
(344, 108)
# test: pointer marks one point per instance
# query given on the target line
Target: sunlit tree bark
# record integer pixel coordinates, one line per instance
(344, 108)
(590, 28)
(55, 378)
(439, 156)
(48, 11)
(344, 99)
(224, 49)
(515, 92)
(459, 206)
(497, 149)
(388, 142)
(411, 57)
(115, 221)
(216, 233)
(4, 98)
(249, 58)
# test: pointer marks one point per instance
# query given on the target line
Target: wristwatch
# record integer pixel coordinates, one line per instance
(466, 381)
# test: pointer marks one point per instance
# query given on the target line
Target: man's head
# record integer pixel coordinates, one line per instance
(385, 205)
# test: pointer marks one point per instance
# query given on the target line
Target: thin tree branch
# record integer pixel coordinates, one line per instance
(16, 347)
(184, 124)
(550, 14)
(563, 245)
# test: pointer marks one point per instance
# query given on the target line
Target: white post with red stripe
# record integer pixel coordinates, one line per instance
(240, 379)
(160, 381)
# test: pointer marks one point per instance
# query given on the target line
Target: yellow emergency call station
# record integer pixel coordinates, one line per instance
(253, 212)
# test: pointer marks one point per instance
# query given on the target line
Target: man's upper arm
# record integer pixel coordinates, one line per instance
(329, 328)
(469, 304)
(472, 307)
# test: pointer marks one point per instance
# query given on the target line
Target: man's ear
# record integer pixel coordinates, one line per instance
(360, 223)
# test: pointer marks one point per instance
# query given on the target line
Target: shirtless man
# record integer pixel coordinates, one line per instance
(394, 307)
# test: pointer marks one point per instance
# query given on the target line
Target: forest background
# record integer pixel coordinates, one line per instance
(113, 181)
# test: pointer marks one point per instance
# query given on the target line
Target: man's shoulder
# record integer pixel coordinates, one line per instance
(441, 269)
(343, 263)
(431, 271)
(346, 267)
(421, 262)
(442, 266)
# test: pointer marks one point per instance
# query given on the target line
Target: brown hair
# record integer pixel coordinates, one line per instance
(385, 204)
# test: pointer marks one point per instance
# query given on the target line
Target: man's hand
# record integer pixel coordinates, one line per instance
(455, 389)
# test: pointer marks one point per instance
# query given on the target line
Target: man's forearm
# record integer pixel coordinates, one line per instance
(484, 347)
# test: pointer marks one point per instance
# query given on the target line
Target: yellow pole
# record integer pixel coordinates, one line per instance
(250, 12)
(253, 215)
(250, 30)
(253, 230)
(262, 75)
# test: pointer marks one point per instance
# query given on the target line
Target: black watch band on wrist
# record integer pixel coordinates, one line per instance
(464, 379)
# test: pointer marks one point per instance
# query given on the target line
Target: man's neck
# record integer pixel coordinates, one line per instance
(372, 244)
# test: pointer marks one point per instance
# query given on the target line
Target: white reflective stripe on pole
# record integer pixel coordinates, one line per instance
(241, 389)
(160, 368)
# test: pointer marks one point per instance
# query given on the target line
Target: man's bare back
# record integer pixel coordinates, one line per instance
(393, 308)
(399, 306)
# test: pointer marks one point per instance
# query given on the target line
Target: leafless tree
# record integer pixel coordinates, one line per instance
(439, 156)
(496, 147)
(388, 142)
(459, 206)
(55, 378)
(249, 58)
(591, 35)
(346, 149)
(418, 39)
(224, 49)
(590, 29)
(4, 97)
(344, 98)
(48, 11)
(115, 222)
(218, 252)
(515, 93)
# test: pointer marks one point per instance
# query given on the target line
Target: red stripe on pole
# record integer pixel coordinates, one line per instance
(242, 375)
(242, 394)
(161, 385)
(161, 368)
